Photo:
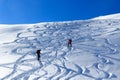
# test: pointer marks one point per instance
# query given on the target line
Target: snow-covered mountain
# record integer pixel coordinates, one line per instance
(112, 16)
(94, 55)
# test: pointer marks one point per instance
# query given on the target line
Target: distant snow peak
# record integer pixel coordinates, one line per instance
(112, 16)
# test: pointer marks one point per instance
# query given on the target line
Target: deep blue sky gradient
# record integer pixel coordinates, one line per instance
(35, 11)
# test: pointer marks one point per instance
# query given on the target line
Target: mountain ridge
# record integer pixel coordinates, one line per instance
(110, 16)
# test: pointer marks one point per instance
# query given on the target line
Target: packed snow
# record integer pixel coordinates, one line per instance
(94, 55)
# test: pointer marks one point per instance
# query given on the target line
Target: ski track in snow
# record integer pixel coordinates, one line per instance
(51, 38)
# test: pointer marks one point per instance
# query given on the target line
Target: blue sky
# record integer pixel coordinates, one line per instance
(35, 11)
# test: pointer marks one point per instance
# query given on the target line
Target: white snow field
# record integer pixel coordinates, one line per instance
(95, 54)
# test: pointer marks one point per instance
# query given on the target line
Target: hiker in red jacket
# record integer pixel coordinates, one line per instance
(69, 42)
(38, 54)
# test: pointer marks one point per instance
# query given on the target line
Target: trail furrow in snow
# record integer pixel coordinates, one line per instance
(15, 67)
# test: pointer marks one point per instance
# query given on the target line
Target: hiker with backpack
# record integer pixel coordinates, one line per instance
(38, 54)
(69, 42)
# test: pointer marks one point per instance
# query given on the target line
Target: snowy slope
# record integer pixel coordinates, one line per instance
(112, 16)
(95, 54)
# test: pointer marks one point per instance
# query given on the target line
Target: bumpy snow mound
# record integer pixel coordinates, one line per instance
(112, 16)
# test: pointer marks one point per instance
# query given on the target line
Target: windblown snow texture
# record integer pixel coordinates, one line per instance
(94, 55)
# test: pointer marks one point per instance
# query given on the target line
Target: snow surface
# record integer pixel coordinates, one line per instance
(112, 16)
(95, 54)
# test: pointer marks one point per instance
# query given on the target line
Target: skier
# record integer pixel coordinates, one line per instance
(69, 42)
(38, 54)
